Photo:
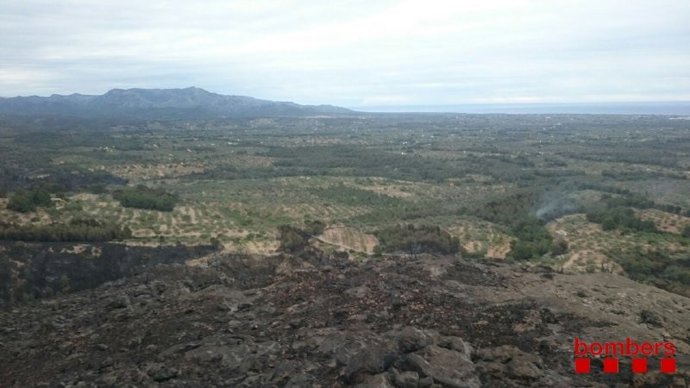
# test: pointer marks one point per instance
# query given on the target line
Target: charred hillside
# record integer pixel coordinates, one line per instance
(319, 320)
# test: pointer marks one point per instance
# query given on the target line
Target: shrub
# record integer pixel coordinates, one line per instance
(215, 242)
(620, 218)
(533, 240)
(677, 273)
(142, 197)
(559, 247)
(292, 239)
(686, 231)
(417, 239)
(25, 201)
(522, 250)
(314, 228)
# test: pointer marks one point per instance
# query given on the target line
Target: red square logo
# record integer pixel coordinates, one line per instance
(582, 365)
(639, 365)
(668, 365)
(610, 365)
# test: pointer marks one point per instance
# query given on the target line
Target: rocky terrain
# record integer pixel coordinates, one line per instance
(317, 320)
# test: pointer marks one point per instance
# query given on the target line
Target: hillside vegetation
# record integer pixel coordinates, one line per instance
(483, 186)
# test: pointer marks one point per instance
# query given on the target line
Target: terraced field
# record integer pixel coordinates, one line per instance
(348, 239)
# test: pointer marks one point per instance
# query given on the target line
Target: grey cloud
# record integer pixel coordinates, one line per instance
(353, 53)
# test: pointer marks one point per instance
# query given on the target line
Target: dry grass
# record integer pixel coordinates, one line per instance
(667, 222)
(482, 238)
(156, 171)
(344, 238)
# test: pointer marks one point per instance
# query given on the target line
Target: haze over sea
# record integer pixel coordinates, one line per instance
(641, 108)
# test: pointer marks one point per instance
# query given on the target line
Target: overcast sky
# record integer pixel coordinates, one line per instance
(353, 53)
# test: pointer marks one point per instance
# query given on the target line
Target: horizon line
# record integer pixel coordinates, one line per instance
(668, 108)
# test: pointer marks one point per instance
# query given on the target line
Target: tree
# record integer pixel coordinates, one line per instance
(417, 239)
(25, 201)
(142, 197)
(292, 239)
(686, 231)
(559, 247)
(20, 202)
(216, 243)
(522, 250)
(314, 227)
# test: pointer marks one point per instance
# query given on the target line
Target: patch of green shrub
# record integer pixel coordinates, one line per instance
(533, 239)
(25, 201)
(686, 231)
(417, 239)
(620, 218)
(292, 239)
(142, 197)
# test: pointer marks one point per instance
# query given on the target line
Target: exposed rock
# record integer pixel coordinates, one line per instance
(160, 372)
(120, 302)
(650, 318)
(376, 381)
(358, 292)
(359, 353)
(411, 339)
(301, 380)
(426, 382)
(510, 362)
(446, 367)
(455, 343)
(658, 379)
(406, 379)
(102, 347)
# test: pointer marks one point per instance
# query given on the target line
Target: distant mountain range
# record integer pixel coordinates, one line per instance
(160, 104)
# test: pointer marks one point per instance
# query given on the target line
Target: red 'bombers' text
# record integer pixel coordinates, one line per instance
(628, 347)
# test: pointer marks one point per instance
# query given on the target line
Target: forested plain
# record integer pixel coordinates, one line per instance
(574, 192)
